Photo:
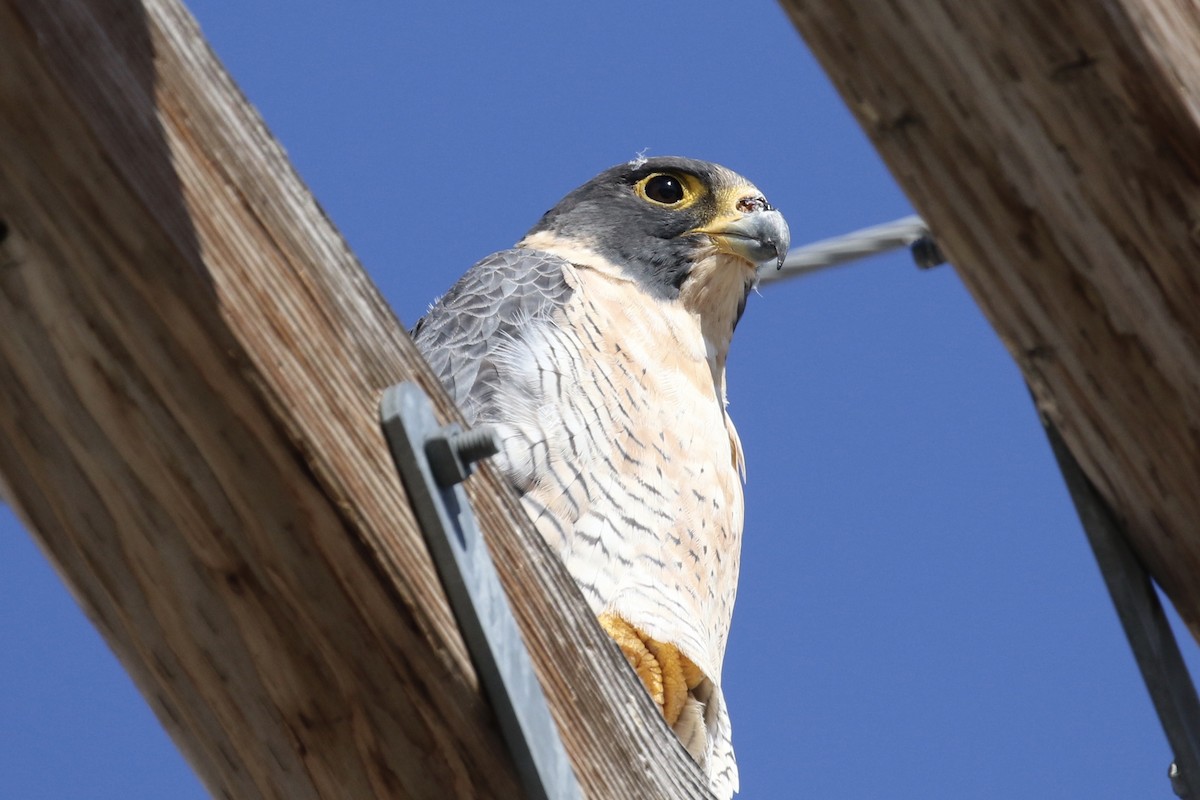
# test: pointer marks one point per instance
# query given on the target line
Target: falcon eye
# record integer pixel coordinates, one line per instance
(665, 189)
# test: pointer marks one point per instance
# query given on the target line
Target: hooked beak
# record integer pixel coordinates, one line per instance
(758, 236)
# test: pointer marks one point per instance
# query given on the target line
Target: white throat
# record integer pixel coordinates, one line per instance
(713, 294)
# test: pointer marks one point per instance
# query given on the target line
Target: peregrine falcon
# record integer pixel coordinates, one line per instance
(596, 347)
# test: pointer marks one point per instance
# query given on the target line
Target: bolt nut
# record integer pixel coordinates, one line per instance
(926, 253)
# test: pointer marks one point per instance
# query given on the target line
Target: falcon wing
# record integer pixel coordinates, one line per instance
(468, 331)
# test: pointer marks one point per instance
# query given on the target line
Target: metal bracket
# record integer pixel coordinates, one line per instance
(432, 461)
(1150, 636)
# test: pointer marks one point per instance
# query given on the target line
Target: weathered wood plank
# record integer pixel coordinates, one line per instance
(190, 364)
(1054, 148)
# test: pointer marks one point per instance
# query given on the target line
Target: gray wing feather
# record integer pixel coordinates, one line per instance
(489, 307)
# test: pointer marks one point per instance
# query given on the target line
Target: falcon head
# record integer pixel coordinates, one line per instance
(668, 221)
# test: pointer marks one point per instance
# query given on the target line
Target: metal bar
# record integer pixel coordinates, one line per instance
(1141, 614)
(909, 232)
(432, 460)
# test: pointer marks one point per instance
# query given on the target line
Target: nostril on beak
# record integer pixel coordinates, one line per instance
(753, 202)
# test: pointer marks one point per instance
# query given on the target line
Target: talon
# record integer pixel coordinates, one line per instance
(675, 690)
(692, 675)
(666, 673)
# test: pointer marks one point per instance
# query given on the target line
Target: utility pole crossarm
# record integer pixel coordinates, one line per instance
(191, 364)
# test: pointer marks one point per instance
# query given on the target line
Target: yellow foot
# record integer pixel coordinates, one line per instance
(666, 673)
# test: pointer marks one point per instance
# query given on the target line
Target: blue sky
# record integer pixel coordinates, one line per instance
(919, 615)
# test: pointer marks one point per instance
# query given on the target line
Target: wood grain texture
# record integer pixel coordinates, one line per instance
(190, 366)
(1054, 148)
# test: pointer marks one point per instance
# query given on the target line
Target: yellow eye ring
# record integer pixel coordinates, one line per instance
(668, 189)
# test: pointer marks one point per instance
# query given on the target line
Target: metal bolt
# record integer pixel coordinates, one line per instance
(452, 452)
(1178, 784)
(475, 444)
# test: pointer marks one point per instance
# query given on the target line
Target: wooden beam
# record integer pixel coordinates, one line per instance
(1054, 148)
(190, 366)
